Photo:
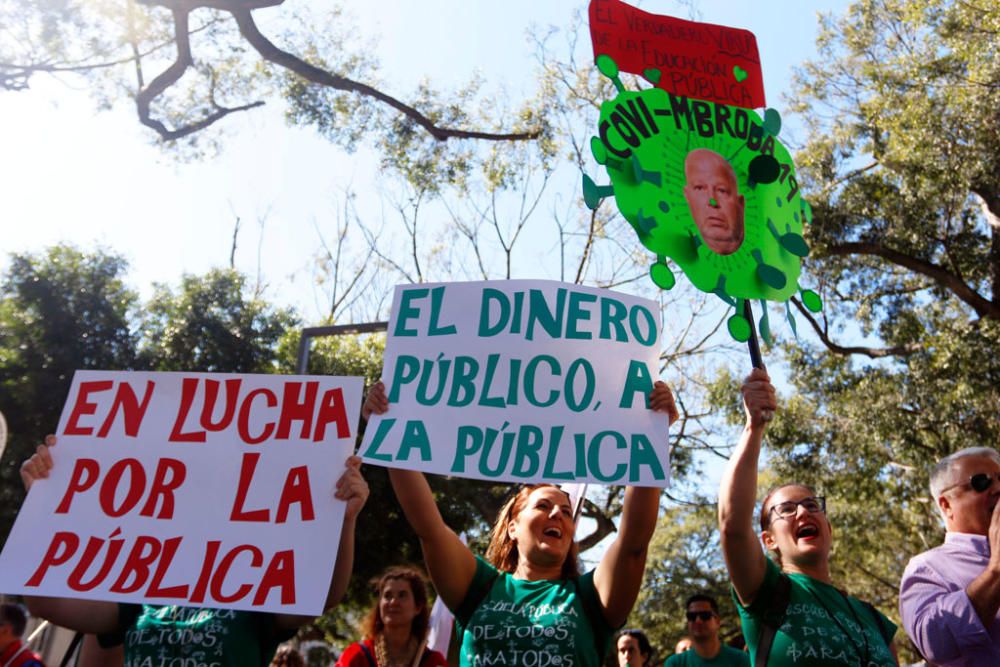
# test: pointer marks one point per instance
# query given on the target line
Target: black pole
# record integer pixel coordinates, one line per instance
(752, 343)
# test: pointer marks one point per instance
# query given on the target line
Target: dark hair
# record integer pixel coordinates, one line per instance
(701, 597)
(645, 648)
(765, 511)
(287, 656)
(502, 552)
(372, 624)
(15, 615)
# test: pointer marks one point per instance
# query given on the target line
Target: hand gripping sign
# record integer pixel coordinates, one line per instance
(195, 489)
(705, 184)
(522, 381)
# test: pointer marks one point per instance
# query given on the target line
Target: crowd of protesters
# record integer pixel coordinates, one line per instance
(526, 602)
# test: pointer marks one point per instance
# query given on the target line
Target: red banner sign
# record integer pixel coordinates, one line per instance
(697, 60)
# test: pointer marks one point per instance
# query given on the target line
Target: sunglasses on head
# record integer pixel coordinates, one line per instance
(979, 482)
(700, 615)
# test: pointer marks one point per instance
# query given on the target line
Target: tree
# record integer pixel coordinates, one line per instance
(905, 177)
(212, 324)
(188, 64)
(60, 310)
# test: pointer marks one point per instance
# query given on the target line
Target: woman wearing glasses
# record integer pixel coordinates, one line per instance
(792, 613)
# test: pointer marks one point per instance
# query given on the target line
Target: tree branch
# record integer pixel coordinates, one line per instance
(872, 352)
(172, 75)
(605, 526)
(271, 53)
(983, 307)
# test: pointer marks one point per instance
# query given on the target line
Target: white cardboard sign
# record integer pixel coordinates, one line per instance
(196, 489)
(521, 381)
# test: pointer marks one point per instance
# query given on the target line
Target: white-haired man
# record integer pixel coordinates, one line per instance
(949, 597)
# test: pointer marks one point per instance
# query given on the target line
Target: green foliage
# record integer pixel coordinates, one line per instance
(60, 310)
(904, 176)
(212, 324)
(684, 559)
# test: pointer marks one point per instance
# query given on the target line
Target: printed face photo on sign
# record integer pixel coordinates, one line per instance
(713, 196)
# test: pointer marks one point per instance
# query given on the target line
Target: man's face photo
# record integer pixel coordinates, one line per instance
(714, 200)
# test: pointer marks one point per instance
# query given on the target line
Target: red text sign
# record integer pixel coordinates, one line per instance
(194, 489)
(697, 60)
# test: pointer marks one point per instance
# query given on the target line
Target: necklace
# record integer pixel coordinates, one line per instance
(385, 659)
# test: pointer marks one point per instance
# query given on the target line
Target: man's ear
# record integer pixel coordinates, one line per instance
(945, 505)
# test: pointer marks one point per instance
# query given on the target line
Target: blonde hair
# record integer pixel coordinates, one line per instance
(502, 552)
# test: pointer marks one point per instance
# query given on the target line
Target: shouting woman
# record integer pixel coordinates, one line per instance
(526, 603)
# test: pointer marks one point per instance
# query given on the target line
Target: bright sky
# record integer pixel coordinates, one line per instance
(71, 173)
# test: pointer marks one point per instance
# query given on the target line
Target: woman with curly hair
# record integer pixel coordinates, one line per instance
(526, 603)
(395, 630)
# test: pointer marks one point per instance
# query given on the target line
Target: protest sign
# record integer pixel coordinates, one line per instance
(698, 60)
(195, 489)
(700, 176)
(521, 381)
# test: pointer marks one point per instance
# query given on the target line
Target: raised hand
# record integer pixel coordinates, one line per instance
(40, 463)
(759, 399)
(375, 402)
(352, 487)
(661, 399)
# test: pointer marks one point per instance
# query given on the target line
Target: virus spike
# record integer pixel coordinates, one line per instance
(642, 174)
(811, 300)
(609, 68)
(720, 291)
(789, 241)
(791, 319)
(598, 150)
(764, 326)
(738, 326)
(771, 276)
(772, 122)
(594, 193)
(661, 274)
(646, 224)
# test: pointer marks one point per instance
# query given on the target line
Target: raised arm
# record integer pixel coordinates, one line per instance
(352, 488)
(619, 574)
(738, 491)
(80, 615)
(450, 563)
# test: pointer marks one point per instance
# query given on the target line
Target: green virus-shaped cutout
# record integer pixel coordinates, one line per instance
(709, 187)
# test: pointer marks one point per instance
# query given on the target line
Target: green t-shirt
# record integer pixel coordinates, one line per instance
(823, 627)
(163, 636)
(508, 621)
(727, 657)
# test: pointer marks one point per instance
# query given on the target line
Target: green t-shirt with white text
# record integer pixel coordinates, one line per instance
(727, 657)
(536, 623)
(823, 627)
(164, 636)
